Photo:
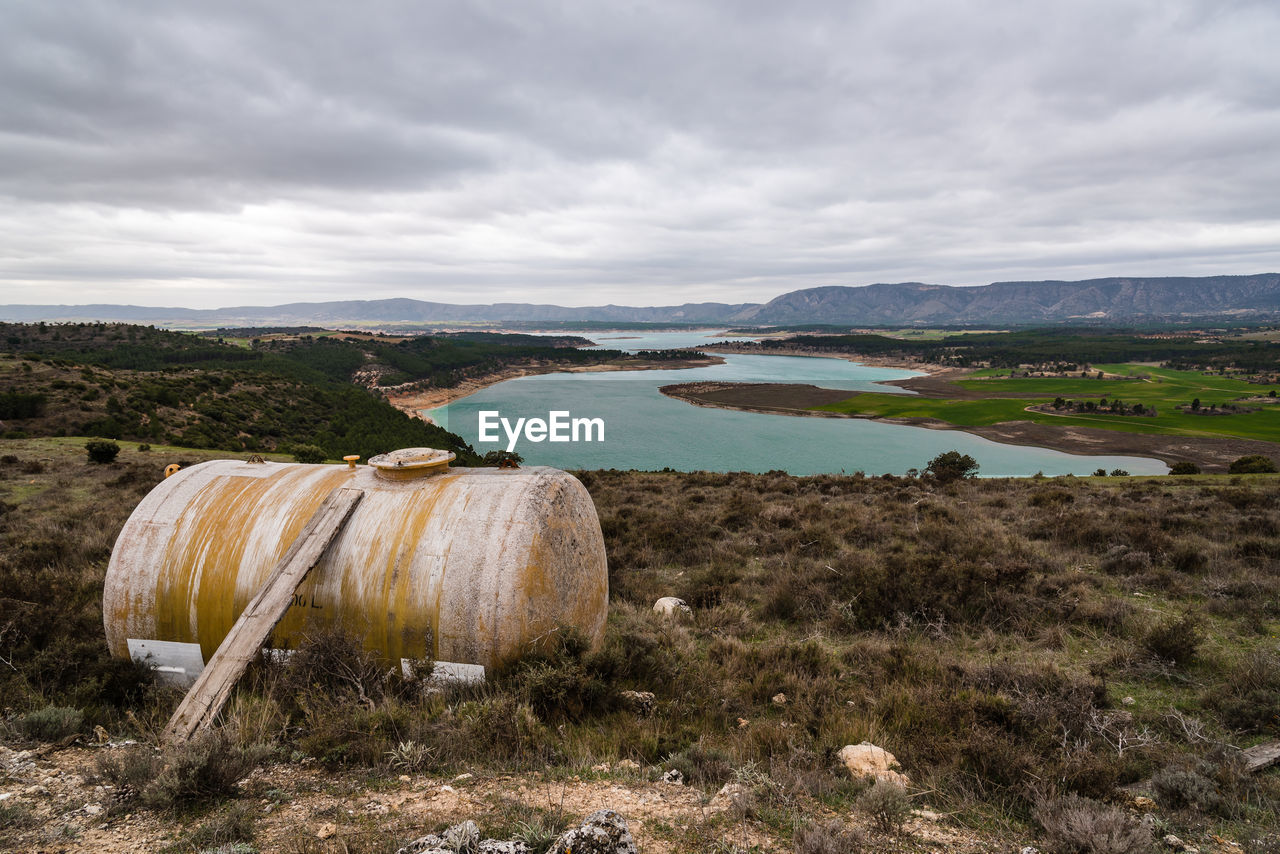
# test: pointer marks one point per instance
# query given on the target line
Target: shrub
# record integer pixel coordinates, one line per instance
(1119, 473)
(1175, 640)
(828, 837)
(1248, 695)
(129, 769)
(1076, 825)
(1184, 467)
(208, 766)
(101, 450)
(887, 804)
(16, 815)
(235, 824)
(308, 454)
(1252, 464)
(50, 723)
(952, 465)
(501, 459)
(345, 699)
(701, 766)
(144, 447)
(563, 680)
(1186, 788)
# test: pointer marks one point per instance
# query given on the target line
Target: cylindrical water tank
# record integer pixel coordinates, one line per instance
(462, 565)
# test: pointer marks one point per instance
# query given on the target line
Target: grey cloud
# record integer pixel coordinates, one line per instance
(648, 153)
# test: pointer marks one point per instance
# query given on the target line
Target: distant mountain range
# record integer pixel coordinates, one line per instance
(1117, 299)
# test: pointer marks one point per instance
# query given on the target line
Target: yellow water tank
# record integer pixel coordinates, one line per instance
(471, 566)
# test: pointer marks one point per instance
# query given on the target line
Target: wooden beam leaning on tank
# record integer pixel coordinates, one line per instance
(244, 642)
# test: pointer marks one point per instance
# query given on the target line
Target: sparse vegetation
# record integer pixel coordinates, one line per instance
(51, 723)
(887, 804)
(985, 631)
(207, 767)
(1076, 825)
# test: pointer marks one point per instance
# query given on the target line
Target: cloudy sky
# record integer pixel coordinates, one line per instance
(212, 154)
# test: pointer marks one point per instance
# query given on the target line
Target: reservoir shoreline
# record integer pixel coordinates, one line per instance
(415, 401)
(1213, 454)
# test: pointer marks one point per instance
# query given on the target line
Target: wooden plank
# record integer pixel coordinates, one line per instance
(1261, 756)
(243, 643)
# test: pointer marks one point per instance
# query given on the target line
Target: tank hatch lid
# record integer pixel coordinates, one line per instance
(412, 462)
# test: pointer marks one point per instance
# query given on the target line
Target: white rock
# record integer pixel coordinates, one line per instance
(729, 794)
(670, 606)
(867, 760)
(603, 832)
(673, 776)
(779, 699)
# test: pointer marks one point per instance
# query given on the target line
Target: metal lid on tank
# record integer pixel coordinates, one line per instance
(412, 462)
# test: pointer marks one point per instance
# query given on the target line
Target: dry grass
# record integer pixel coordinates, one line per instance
(985, 632)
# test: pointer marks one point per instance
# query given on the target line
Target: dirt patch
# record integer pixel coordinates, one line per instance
(305, 808)
(757, 397)
(1212, 454)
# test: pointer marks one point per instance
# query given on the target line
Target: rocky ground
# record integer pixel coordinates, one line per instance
(56, 803)
(53, 801)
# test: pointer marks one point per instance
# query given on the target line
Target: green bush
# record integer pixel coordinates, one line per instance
(1184, 467)
(952, 465)
(1175, 640)
(1252, 464)
(563, 680)
(50, 723)
(308, 454)
(101, 450)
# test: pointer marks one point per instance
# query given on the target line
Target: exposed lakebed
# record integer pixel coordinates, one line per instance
(643, 429)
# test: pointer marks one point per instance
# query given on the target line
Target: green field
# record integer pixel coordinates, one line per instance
(1163, 389)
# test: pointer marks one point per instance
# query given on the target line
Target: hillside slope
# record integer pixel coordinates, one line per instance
(1113, 299)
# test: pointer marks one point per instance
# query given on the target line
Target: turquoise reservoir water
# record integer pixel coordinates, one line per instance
(644, 429)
